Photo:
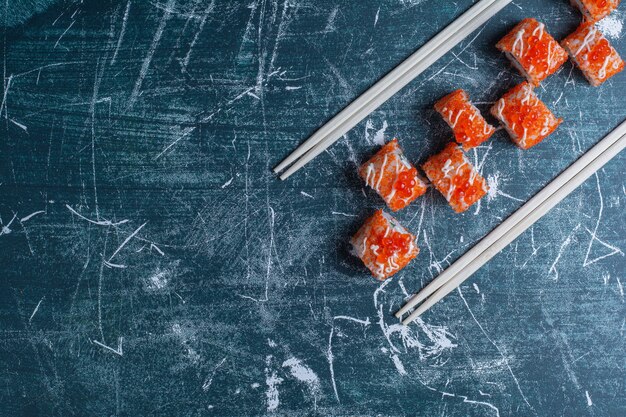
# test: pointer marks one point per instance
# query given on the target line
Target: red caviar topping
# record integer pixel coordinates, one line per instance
(394, 243)
(406, 183)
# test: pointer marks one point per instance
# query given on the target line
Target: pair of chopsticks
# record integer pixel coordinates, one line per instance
(390, 84)
(516, 224)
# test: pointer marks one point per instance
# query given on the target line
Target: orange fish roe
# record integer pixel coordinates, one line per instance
(456, 178)
(383, 245)
(595, 10)
(532, 50)
(524, 116)
(469, 126)
(593, 54)
(393, 177)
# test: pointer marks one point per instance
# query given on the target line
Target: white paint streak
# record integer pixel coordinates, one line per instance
(398, 364)
(227, 183)
(30, 216)
(35, 310)
(303, 374)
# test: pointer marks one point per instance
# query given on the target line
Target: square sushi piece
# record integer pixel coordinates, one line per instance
(532, 50)
(593, 54)
(393, 177)
(595, 10)
(524, 116)
(456, 178)
(469, 126)
(384, 246)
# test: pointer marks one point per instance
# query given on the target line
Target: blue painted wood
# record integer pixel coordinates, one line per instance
(153, 265)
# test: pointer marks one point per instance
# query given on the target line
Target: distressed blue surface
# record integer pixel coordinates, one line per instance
(153, 265)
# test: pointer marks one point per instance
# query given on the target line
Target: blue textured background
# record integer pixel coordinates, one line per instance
(238, 296)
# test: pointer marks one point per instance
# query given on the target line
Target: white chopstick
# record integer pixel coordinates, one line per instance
(389, 85)
(526, 216)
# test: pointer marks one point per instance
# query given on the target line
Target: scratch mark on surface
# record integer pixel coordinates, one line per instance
(126, 241)
(99, 222)
(594, 234)
(227, 183)
(207, 12)
(564, 245)
(35, 310)
(148, 59)
(122, 32)
(117, 351)
(337, 213)
(209, 380)
(20, 125)
(306, 194)
(63, 34)
(185, 133)
(365, 322)
(30, 216)
(506, 361)
(331, 358)
(4, 97)
(6, 229)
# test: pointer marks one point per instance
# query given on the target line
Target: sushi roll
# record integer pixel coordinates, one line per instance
(384, 246)
(524, 116)
(593, 54)
(456, 178)
(595, 10)
(393, 177)
(469, 126)
(532, 50)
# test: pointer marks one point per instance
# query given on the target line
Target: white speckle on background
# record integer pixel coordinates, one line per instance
(271, 394)
(611, 26)
(377, 137)
(158, 280)
(589, 402)
(303, 373)
(493, 181)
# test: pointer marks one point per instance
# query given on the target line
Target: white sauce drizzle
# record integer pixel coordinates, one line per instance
(587, 41)
(382, 173)
(602, 73)
(519, 43)
(546, 126)
(370, 171)
(529, 92)
(457, 118)
(540, 29)
(550, 56)
(501, 105)
(447, 167)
